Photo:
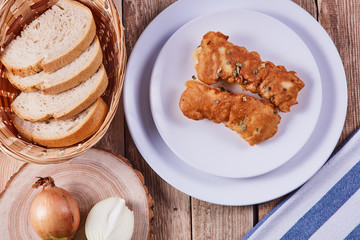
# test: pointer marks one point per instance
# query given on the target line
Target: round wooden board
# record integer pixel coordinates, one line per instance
(90, 178)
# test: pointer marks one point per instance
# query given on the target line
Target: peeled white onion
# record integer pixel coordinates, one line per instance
(110, 219)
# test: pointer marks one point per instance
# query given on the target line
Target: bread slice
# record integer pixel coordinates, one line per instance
(35, 106)
(51, 41)
(69, 76)
(52, 133)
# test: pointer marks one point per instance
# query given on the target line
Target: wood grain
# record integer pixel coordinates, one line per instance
(8, 168)
(210, 221)
(341, 19)
(90, 178)
(172, 218)
(265, 208)
(309, 5)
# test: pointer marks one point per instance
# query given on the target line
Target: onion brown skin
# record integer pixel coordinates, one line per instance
(54, 213)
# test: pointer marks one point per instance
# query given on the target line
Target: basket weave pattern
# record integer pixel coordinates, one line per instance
(14, 16)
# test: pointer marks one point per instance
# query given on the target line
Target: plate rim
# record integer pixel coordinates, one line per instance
(262, 6)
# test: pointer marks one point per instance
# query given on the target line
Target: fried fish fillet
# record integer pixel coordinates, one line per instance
(255, 120)
(217, 59)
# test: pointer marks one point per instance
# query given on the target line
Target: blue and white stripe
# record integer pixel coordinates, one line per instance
(326, 207)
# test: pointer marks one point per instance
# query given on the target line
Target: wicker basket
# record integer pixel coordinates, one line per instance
(14, 15)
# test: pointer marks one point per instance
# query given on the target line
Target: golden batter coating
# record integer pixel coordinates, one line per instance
(255, 120)
(217, 59)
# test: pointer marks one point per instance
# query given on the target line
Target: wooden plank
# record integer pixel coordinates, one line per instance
(341, 19)
(172, 219)
(311, 7)
(211, 221)
(265, 208)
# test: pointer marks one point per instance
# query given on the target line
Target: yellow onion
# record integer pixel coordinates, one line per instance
(54, 213)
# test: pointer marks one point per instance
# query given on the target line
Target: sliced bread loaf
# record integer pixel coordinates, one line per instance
(51, 41)
(53, 133)
(35, 106)
(69, 76)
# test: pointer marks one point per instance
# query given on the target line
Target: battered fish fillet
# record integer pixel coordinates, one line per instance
(255, 120)
(217, 59)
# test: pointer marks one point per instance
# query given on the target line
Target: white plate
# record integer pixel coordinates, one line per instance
(211, 147)
(231, 191)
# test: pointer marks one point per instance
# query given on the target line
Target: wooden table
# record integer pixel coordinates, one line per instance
(179, 216)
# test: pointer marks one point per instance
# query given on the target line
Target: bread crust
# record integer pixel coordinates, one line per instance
(68, 57)
(23, 72)
(90, 69)
(19, 86)
(68, 113)
(95, 94)
(82, 76)
(88, 128)
(60, 61)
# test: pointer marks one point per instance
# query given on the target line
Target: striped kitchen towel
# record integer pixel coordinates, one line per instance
(326, 207)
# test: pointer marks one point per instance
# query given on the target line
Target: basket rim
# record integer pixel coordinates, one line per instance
(80, 148)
